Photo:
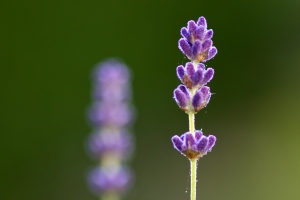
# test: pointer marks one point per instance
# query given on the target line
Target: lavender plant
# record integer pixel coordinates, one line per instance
(111, 143)
(194, 94)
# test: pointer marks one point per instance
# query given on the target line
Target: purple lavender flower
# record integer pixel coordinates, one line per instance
(110, 115)
(194, 95)
(192, 103)
(194, 76)
(196, 43)
(195, 145)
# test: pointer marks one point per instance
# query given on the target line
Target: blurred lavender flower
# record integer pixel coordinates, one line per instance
(113, 180)
(110, 143)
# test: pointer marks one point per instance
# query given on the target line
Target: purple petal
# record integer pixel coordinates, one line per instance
(180, 98)
(202, 144)
(211, 53)
(197, 100)
(185, 33)
(191, 27)
(185, 47)
(197, 48)
(182, 137)
(198, 135)
(202, 22)
(200, 32)
(201, 66)
(190, 70)
(211, 142)
(180, 71)
(177, 143)
(209, 74)
(205, 93)
(198, 77)
(208, 34)
(190, 141)
(206, 45)
(185, 91)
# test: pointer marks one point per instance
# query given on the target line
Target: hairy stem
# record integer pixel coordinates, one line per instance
(192, 122)
(193, 178)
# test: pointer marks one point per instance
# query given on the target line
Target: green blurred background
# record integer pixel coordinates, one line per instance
(48, 49)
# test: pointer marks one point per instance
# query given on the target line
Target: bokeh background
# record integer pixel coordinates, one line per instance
(48, 49)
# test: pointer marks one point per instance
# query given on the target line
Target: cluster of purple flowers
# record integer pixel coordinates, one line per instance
(194, 94)
(111, 143)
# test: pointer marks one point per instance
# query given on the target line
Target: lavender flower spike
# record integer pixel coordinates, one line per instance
(193, 146)
(194, 95)
(196, 43)
(111, 144)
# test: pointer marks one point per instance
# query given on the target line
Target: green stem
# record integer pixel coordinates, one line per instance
(192, 122)
(193, 178)
(193, 162)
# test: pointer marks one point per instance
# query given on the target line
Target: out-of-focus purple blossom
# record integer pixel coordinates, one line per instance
(196, 43)
(110, 114)
(194, 76)
(195, 145)
(117, 180)
(111, 81)
(111, 141)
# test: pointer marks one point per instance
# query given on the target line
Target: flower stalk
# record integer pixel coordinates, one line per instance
(194, 94)
(193, 163)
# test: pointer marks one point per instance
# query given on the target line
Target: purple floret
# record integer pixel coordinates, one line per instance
(182, 97)
(195, 145)
(201, 98)
(178, 143)
(194, 77)
(196, 43)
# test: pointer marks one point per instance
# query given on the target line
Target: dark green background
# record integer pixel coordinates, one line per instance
(48, 49)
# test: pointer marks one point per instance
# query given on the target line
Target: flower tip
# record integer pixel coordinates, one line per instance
(202, 21)
(185, 47)
(211, 142)
(180, 72)
(180, 98)
(177, 142)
